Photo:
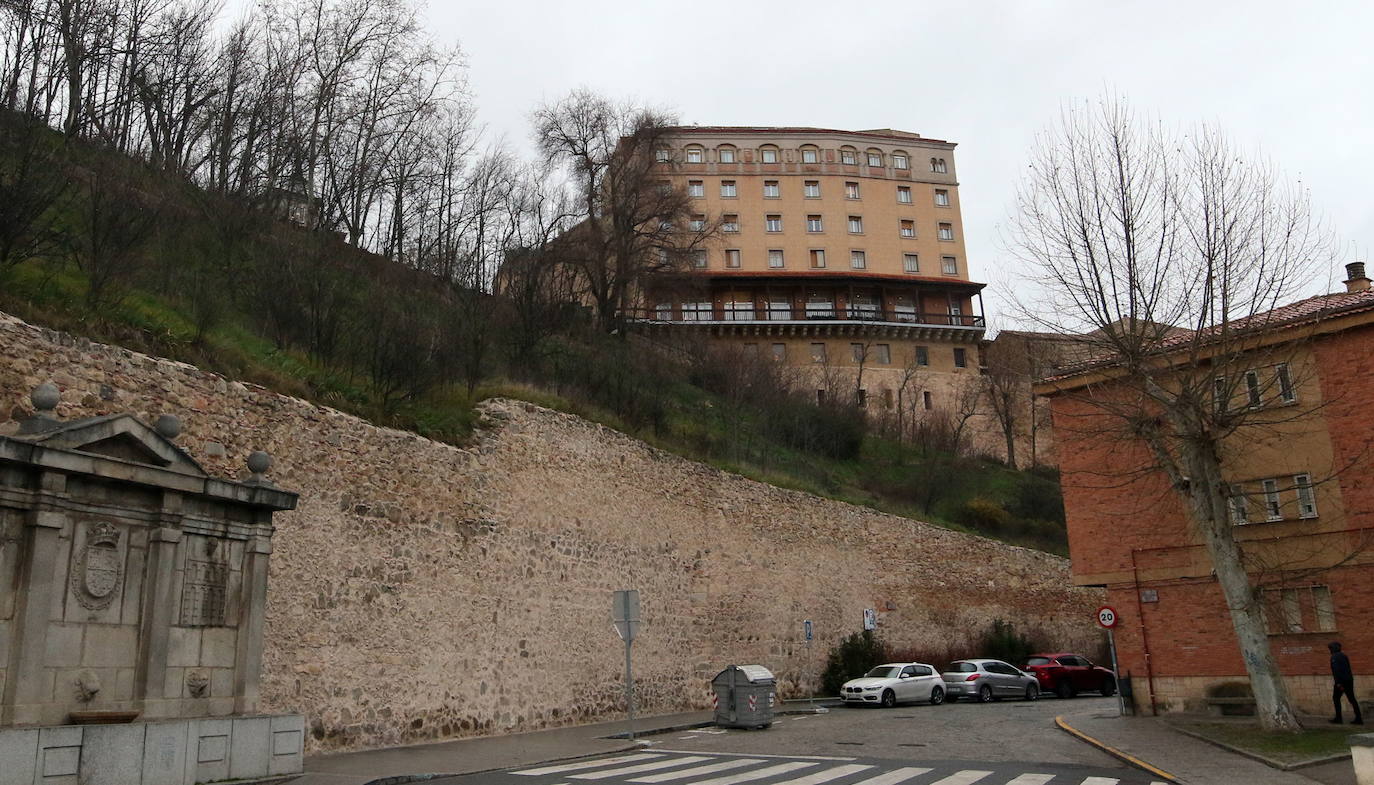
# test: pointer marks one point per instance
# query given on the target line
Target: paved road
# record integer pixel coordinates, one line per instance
(1004, 743)
(666, 767)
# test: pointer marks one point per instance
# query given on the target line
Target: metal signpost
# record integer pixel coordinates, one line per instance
(625, 614)
(807, 631)
(1106, 617)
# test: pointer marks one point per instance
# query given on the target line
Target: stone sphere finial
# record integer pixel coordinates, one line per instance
(46, 397)
(168, 426)
(259, 462)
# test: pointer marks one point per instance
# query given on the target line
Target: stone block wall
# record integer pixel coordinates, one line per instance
(423, 590)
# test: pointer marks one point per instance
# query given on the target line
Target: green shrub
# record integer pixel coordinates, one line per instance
(1230, 689)
(983, 515)
(852, 658)
(1003, 642)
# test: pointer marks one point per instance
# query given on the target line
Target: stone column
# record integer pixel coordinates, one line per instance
(252, 612)
(159, 609)
(26, 688)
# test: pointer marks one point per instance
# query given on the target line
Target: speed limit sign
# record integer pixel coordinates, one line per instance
(1106, 616)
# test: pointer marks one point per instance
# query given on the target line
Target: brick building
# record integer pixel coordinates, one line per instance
(1302, 503)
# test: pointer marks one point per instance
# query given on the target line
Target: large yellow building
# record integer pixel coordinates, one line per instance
(837, 249)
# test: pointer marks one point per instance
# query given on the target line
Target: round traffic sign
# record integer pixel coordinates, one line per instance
(1106, 616)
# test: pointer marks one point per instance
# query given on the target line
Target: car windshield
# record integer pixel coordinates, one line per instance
(884, 672)
(961, 667)
(1037, 661)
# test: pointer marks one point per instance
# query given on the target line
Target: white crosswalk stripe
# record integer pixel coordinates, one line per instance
(589, 764)
(894, 777)
(965, 777)
(697, 771)
(1031, 779)
(757, 774)
(826, 775)
(1100, 781)
(640, 768)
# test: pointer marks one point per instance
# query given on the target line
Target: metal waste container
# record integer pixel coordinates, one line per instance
(744, 696)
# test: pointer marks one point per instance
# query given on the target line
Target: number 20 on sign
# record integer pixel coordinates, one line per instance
(1106, 616)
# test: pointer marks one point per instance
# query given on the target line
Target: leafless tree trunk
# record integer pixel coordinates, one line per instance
(1169, 250)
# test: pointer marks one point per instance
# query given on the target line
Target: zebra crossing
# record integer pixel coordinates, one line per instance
(683, 768)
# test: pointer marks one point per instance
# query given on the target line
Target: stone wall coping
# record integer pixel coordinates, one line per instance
(1361, 740)
(92, 465)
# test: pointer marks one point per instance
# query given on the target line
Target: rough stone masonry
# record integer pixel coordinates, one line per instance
(423, 590)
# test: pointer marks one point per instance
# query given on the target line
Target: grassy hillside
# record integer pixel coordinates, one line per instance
(227, 287)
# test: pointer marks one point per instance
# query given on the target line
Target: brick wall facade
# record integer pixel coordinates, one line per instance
(422, 590)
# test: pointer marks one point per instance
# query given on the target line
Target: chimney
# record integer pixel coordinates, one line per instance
(1355, 278)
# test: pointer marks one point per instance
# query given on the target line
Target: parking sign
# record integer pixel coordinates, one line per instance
(870, 619)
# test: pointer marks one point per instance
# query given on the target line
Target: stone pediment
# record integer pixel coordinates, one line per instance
(119, 436)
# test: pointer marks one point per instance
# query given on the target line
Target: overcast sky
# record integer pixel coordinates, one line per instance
(1295, 80)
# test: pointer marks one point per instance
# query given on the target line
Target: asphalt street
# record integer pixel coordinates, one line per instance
(1003, 743)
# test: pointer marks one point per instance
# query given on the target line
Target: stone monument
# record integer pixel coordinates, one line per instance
(132, 593)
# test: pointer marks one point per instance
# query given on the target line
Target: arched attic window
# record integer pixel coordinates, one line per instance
(848, 155)
(768, 154)
(695, 154)
(900, 160)
(726, 154)
(874, 157)
(938, 165)
(810, 154)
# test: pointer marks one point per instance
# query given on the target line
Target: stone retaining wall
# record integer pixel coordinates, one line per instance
(423, 591)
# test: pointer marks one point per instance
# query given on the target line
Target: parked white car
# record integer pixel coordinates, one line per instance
(896, 682)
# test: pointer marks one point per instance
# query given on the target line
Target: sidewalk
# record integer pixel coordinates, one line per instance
(466, 756)
(1190, 760)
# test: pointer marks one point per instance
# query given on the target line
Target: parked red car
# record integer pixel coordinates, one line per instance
(1066, 675)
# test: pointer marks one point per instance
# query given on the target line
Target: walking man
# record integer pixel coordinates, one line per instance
(1344, 682)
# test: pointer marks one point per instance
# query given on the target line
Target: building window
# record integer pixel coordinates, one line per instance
(775, 258)
(856, 350)
(941, 197)
(699, 260)
(817, 352)
(810, 155)
(861, 397)
(908, 228)
(663, 155)
(949, 265)
(922, 355)
(851, 190)
(729, 223)
(856, 224)
(849, 156)
(903, 194)
(817, 259)
(732, 257)
(739, 311)
(858, 260)
(820, 306)
(1285, 380)
(696, 189)
(875, 158)
(814, 224)
(820, 397)
(695, 155)
(1240, 509)
(697, 312)
(770, 189)
(664, 187)
(663, 312)
(1307, 500)
(727, 189)
(1273, 505)
(927, 400)
(911, 263)
(937, 165)
(726, 155)
(773, 223)
(779, 308)
(946, 231)
(779, 351)
(768, 155)
(960, 358)
(1300, 609)
(882, 354)
(1252, 389)
(900, 161)
(811, 189)
(698, 223)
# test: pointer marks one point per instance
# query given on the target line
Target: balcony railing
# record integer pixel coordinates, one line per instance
(813, 312)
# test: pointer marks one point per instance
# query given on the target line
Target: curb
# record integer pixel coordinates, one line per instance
(1255, 756)
(402, 779)
(1113, 751)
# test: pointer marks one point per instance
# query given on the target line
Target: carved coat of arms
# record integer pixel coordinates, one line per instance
(98, 570)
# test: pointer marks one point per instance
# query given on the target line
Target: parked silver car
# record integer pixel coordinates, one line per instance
(988, 680)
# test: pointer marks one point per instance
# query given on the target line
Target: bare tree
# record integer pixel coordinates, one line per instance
(1170, 251)
(634, 223)
(113, 222)
(1006, 383)
(32, 178)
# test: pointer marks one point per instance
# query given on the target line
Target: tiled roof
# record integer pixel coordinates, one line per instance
(1322, 306)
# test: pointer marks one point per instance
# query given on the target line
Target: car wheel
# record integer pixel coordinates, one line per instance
(1032, 692)
(985, 693)
(937, 696)
(1108, 687)
(1064, 690)
(889, 699)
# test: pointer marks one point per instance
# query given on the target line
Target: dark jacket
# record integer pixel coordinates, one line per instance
(1340, 667)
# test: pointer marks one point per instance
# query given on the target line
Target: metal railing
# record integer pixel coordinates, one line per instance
(813, 312)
